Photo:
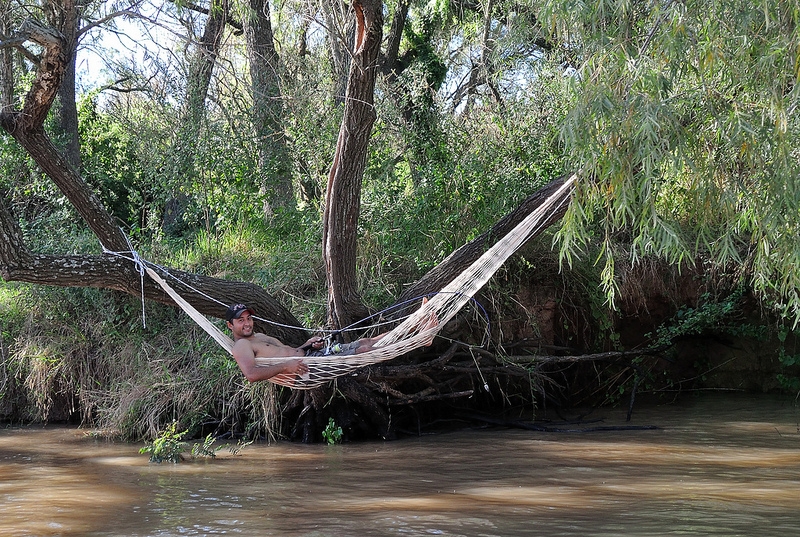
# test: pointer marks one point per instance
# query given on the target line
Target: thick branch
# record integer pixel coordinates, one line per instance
(115, 273)
(425, 397)
(44, 89)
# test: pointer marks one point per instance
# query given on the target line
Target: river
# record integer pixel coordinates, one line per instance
(715, 465)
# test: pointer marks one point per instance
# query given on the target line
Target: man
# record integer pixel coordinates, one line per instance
(248, 344)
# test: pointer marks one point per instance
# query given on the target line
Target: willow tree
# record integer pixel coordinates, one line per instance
(686, 134)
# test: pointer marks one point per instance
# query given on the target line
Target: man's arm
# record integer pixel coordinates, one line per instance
(245, 357)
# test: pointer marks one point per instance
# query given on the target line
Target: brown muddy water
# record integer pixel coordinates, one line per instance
(727, 466)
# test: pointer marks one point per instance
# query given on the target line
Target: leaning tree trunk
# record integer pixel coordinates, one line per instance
(343, 196)
(373, 395)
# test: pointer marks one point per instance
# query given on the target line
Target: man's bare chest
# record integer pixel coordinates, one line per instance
(264, 346)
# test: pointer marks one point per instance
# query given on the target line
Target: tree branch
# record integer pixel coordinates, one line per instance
(44, 89)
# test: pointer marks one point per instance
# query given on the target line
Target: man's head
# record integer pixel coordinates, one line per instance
(235, 311)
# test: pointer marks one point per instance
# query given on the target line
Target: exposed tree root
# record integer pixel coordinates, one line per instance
(378, 400)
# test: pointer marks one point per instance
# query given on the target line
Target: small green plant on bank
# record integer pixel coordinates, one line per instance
(168, 446)
(332, 433)
(240, 445)
(206, 448)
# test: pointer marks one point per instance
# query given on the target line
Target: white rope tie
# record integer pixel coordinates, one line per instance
(140, 268)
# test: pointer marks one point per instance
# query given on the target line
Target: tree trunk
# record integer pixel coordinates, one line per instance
(202, 68)
(391, 67)
(6, 60)
(274, 167)
(66, 113)
(343, 196)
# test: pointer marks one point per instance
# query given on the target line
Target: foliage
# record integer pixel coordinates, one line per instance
(678, 117)
(712, 315)
(167, 446)
(109, 164)
(35, 199)
(723, 314)
(476, 170)
(683, 136)
(332, 434)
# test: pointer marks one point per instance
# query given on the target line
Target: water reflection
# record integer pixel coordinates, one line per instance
(716, 466)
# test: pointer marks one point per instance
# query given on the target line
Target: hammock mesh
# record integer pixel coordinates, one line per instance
(416, 330)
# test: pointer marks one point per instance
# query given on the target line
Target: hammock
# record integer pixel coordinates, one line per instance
(415, 331)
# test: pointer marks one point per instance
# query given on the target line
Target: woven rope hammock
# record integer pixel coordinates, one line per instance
(416, 330)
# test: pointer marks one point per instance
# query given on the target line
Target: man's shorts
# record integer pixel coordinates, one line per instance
(337, 349)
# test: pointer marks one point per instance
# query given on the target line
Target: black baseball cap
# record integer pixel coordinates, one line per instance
(236, 310)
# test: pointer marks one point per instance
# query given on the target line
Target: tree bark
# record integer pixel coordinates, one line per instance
(66, 113)
(203, 67)
(343, 196)
(6, 60)
(274, 167)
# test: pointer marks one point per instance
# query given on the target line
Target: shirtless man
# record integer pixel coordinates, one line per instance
(248, 344)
